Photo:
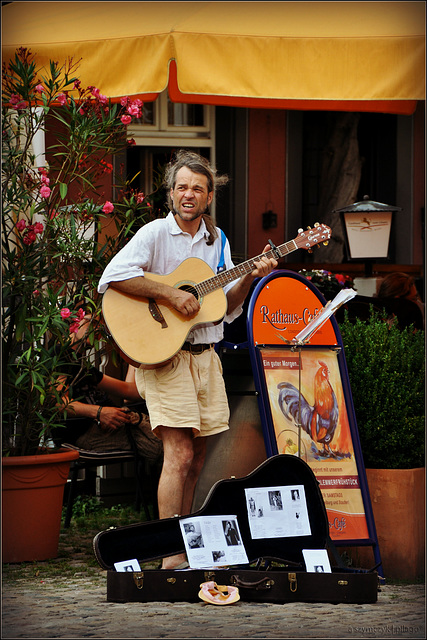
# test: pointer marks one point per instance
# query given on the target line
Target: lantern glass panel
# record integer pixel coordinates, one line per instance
(368, 233)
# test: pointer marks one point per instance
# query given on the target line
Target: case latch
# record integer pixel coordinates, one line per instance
(138, 577)
(293, 585)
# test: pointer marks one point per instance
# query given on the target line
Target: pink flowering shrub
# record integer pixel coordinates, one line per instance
(50, 254)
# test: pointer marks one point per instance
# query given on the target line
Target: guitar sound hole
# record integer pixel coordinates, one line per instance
(190, 289)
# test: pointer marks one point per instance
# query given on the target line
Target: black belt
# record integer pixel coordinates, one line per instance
(196, 348)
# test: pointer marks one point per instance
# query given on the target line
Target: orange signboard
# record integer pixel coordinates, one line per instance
(283, 308)
(305, 400)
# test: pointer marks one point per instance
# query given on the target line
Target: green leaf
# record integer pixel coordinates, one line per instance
(20, 378)
(63, 189)
(42, 392)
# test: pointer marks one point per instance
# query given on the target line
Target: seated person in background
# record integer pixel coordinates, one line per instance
(399, 297)
(94, 421)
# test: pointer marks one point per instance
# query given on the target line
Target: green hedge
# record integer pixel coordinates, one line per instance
(386, 368)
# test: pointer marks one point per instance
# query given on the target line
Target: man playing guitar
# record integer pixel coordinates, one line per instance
(185, 394)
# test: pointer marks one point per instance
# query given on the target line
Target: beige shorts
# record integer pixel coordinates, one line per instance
(188, 392)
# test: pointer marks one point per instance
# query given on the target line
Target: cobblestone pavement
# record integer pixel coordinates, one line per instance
(78, 608)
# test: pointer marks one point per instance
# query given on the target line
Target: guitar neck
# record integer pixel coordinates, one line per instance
(244, 268)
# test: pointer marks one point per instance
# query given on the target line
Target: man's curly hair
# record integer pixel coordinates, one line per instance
(197, 164)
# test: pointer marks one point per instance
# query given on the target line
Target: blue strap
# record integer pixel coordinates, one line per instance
(221, 263)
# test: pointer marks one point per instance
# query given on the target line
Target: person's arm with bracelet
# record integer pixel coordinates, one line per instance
(108, 418)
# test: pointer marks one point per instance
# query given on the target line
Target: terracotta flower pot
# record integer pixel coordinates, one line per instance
(398, 504)
(32, 496)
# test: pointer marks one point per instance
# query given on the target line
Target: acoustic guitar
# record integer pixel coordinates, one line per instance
(149, 332)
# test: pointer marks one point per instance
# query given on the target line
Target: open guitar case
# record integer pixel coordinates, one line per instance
(276, 571)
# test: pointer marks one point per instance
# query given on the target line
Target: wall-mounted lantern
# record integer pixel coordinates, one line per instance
(367, 227)
(269, 219)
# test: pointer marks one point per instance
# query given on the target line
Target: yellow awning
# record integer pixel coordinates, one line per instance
(285, 54)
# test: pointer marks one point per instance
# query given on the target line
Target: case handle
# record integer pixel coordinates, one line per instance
(264, 583)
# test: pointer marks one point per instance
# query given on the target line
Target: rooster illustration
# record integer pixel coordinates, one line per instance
(320, 420)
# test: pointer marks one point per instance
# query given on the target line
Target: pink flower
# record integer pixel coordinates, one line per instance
(45, 180)
(62, 98)
(21, 225)
(36, 293)
(65, 313)
(45, 191)
(108, 167)
(94, 91)
(124, 101)
(14, 99)
(40, 88)
(134, 110)
(81, 314)
(126, 119)
(108, 207)
(54, 214)
(140, 197)
(131, 142)
(38, 227)
(29, 237)
(23, 104)
(74, 326)
(103, 99)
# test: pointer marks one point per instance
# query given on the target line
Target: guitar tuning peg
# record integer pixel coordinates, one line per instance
(309, 250)
(308, 227)
(316, 224)
(326, 243)
(300, 230)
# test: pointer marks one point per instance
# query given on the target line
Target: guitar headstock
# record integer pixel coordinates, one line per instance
(321, 233)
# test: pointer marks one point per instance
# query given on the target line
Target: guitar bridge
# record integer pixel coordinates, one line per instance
(156, 313)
